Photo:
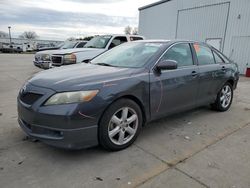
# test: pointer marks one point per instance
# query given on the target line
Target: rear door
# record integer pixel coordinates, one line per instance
(211, 73)
(174, 90)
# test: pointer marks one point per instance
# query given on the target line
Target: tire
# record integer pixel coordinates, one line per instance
(117, 130)
(224, 98)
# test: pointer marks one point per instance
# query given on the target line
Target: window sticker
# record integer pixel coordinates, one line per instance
(197, 48)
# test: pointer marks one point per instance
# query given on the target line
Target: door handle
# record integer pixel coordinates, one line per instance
(194, 73)
(223, 68)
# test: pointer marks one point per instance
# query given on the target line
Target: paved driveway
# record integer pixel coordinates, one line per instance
(199, 148)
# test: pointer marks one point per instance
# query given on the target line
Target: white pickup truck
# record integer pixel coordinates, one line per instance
(95, 47)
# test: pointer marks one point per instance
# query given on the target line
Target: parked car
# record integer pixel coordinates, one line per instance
(13, 48)
(93, 48)
(43, 57)
(109, 100)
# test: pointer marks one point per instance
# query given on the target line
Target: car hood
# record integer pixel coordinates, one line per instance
(76, 77)
(68, 51)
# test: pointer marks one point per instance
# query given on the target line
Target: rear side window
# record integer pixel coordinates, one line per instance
(181, 53)
(204, 54)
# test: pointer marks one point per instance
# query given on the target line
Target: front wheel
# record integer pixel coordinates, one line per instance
(120, 125)
(224, 98)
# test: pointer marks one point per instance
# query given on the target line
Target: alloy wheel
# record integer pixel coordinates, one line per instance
(123, 126)
(225, 96)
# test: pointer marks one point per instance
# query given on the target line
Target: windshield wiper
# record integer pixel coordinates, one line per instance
(105, 64)
(90, 47)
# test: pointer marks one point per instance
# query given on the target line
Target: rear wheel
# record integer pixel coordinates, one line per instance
(120, 125)
(224, 98)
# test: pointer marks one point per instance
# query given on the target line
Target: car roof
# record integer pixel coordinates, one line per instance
(82, 41)
(169, 41)
(121, 35)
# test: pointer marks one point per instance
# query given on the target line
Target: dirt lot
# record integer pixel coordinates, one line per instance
(199, 148)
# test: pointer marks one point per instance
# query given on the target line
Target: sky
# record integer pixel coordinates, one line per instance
(61, 19)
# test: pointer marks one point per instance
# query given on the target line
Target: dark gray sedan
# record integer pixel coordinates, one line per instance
(108, 101)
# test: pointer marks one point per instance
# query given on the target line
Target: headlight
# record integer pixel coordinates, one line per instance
(71, 97)
(45, 57)
(69, 59)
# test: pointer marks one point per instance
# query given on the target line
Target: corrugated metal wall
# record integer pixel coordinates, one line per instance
(203, 22)
(240, 49)
(161, 21)
(156, 22)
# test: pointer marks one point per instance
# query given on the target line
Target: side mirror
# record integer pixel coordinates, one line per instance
(167, 65)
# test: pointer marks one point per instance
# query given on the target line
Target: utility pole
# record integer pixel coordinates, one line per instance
(9, 35)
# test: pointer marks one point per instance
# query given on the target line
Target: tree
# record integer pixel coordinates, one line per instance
(71, 39)
(88, 38)
(28, 35)
(128, 30)
(135, 31)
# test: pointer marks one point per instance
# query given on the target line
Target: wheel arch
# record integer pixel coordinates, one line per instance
(231, 81)
(134, 99)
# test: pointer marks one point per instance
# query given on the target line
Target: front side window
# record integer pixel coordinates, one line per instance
(117, 41)
(81, 45)
(204, 54)
(130, 55)
(181, 53)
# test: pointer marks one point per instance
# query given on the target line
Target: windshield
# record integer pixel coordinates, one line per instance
(68, 44)
(98, 42)
(60, 45)
(130, 55)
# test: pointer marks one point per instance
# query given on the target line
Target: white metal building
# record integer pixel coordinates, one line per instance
(225, 24)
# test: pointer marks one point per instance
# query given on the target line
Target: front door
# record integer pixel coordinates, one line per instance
(174, 90)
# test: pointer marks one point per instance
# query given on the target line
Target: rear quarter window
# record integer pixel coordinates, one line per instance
(218, 58)
(222, 56)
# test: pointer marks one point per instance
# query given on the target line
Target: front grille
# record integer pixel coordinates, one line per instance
(56, 60)
(29, 98)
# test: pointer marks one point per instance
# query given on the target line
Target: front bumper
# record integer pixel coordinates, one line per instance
(68, 126)
(63, 138)
(43, 64)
